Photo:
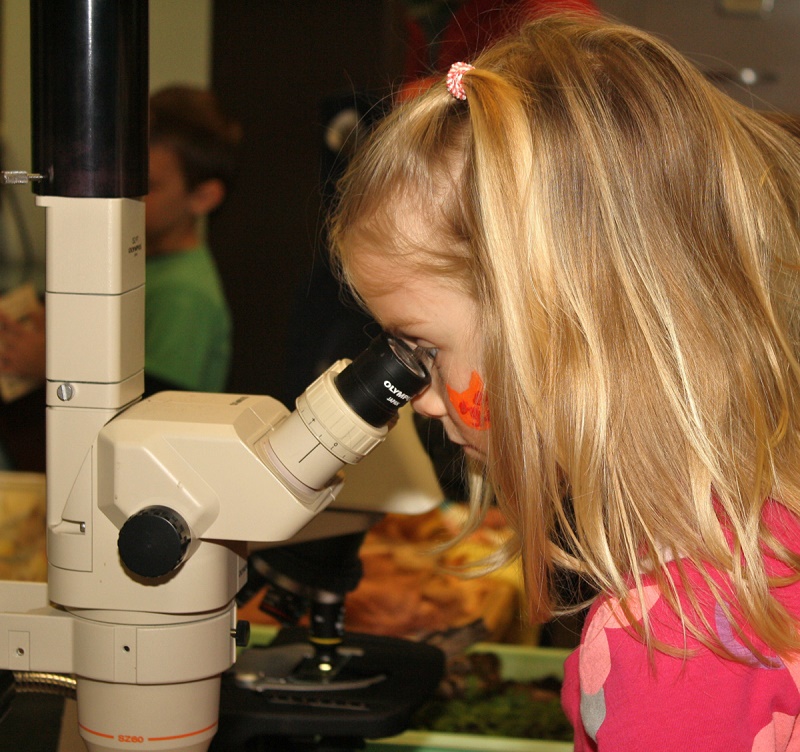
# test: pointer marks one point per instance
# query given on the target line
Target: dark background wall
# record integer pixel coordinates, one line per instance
(274, 64)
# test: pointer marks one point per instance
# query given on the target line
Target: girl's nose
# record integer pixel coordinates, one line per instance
(430, 403)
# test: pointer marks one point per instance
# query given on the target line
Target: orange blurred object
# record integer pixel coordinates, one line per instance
(407, 591)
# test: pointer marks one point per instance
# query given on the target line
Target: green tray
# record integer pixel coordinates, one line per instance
(429, 741)
(522, 663)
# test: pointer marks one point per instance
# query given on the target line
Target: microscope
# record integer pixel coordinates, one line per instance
(154, 505)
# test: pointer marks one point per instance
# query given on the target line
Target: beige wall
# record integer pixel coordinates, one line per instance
(728, 43)
(180, 44)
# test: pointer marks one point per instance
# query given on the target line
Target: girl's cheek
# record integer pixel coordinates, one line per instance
(470, 404)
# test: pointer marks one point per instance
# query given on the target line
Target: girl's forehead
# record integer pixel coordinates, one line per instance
(372, 273)
(405, 297)
(386, 249)
(405, 245)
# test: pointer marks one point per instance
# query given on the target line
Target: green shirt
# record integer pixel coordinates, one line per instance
(187, 321)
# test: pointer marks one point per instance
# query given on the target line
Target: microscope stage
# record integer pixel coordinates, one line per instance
(406, 674)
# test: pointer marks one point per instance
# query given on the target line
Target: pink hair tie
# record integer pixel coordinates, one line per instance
(454, 84)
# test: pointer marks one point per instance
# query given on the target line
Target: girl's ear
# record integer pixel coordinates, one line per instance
(207, 196)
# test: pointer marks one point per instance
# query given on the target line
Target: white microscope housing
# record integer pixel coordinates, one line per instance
(151, 504)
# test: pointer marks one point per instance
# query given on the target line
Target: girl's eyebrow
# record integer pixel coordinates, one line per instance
(401, 327)
(409, 335)
(398, 333)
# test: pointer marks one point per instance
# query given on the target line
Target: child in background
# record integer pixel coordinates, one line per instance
(600, 251)
(193, 150)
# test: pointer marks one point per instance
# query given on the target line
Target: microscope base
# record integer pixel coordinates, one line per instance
(296, 721)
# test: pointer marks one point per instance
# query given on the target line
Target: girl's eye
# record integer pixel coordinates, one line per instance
(426, 355)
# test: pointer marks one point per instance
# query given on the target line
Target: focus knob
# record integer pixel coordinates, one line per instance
(154, 541)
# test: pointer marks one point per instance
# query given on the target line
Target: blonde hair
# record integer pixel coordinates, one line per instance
(631, 235)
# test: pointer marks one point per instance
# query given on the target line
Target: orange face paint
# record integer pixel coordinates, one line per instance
(471, 403)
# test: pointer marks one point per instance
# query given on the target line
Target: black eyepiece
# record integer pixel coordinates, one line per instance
(382, 379)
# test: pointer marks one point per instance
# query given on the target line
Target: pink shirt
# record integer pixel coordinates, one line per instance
(618, 701)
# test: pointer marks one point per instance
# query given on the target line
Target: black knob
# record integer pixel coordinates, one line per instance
(154, 541)
(242, 633)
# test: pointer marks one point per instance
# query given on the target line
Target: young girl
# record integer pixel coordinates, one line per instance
(600, 252)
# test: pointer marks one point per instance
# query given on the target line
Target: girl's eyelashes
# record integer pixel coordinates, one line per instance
(426, 355)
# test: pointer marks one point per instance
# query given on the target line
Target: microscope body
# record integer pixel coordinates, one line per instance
(148, 650)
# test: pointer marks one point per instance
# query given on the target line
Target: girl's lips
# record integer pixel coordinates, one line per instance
(458, 442)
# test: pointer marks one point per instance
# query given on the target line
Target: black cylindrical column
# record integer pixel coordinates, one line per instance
(89, 84)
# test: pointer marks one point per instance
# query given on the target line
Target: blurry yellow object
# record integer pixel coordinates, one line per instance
(19, 304)
(23, 506)
(409, 590)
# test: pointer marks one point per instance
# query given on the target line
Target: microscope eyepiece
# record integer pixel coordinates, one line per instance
(346, 413)
(382, 379)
